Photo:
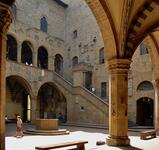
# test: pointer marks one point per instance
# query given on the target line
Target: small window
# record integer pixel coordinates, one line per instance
(75, 34)
(145, 86)
(43, 24)
(101, 56)
(103, 89)
(143, 49)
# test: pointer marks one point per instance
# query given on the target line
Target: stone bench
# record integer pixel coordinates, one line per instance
(147, 134)
(79, 144)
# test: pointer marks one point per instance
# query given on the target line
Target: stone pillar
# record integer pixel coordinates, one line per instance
(51, 63)
(156, 104)
(34, 109)
(5, 21)
(19, 51)
(35, 59)
(118, 102)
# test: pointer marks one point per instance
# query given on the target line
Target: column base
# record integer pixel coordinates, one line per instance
(118, 141)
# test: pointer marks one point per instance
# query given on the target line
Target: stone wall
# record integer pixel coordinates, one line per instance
(87, 43)
(141, 70)
(60, 39)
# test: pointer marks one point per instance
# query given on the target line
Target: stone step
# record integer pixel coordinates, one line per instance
(46, 132)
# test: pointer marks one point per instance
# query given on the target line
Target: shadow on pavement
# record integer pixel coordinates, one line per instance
(129, 148)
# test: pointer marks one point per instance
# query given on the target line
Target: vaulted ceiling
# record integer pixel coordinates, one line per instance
(124, 23)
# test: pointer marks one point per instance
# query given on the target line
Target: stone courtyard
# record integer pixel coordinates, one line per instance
(88, 63)
(92, 135)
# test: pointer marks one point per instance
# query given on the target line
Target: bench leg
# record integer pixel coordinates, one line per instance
(80, 147)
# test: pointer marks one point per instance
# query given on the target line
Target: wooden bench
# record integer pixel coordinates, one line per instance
(148, 134)
(79, 144)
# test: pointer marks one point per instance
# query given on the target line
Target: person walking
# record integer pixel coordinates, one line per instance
(19, 131)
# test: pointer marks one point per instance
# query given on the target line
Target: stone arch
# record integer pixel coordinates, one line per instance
(18, 97)
(153, 48)
(144, 111)
(144, 21)
(42, 57)
(11, 52)
(145, 86)
(27, 53)
(51, 102)
(58, 62)
(13, 34)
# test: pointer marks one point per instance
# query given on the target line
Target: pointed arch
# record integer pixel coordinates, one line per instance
(52, 102)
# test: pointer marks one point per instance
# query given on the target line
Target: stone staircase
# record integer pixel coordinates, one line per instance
(86, 94)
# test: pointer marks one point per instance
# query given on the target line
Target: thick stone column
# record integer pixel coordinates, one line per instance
(156, 115)
(5, 21)
(118, 102)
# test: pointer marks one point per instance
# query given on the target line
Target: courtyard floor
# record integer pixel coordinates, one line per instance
(92, 135)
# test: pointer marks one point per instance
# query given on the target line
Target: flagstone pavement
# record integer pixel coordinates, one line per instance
(92, 135)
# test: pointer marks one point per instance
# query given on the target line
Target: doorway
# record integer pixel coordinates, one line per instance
(145, 111)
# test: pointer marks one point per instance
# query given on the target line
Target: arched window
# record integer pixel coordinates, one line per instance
(145, 86)
(74, 60)
(101, 56)
(58, 64)
(42, 58)
(143, 49)
(14, 9)
(43, 24)
(11, 52)
(26, 55)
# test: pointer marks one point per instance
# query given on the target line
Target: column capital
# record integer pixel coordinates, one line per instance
(6, 16)
(119, 65)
